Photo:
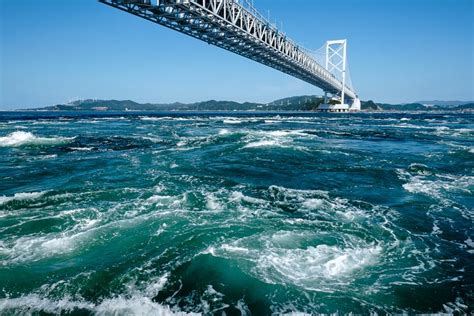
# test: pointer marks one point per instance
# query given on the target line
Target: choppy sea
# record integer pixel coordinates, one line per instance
(236, 214)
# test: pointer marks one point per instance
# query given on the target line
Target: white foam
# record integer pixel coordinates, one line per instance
(167, 118)
(134, 305)
(313, 203)
(436, 188)
(210, 250)
(319, 203)
(319, 268)
(48, 156)
(147, 118)
(212, 203)
(436, 230)
(20, 138)
(239, 197)
(34, 248)
(156, 285)
(231, 248)
(263, 143)
(160, 231)
(456, 307)
(88, 223)
(31, 248)
(34, 303)
(152, 139)
(469, 242)
(27, 196)
(232, 121)
(320, 262)
(160, 199)
(279, 138)
(285, 133)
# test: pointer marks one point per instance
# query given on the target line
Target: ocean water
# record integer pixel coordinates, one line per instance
(236, 214)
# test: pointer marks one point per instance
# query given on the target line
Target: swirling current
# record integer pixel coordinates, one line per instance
(236, 214)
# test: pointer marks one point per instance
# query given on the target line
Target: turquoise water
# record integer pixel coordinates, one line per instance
(243, 214)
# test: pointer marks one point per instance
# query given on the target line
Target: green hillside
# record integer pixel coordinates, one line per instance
(297, 103)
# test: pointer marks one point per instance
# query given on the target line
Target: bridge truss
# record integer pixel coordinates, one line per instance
(231, 25)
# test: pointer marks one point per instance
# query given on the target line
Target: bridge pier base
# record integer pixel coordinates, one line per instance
(334, 107)
(339, 107)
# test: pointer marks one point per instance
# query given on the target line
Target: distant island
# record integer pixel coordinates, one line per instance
(298, 103)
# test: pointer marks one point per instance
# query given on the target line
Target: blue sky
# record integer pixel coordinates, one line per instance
(52, 51)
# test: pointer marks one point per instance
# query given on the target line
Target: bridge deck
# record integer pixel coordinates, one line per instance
(229, 25)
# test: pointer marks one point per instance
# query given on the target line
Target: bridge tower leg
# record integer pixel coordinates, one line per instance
(336, 62)
(344, 61)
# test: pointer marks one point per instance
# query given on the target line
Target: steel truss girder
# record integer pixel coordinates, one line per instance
(227, 24)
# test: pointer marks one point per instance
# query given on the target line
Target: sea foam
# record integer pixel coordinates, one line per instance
(318, 268)
(263, 143)
(135, 305)
(26, 196)
(20, 138)
(439, 187)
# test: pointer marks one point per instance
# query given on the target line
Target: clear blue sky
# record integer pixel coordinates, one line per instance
(399, 51)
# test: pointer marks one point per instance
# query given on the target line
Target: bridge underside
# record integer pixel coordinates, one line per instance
(227, 24)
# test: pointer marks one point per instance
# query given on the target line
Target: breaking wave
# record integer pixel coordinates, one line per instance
(20, 138)
(435, 186)
(321, 268)
(134, 305)
(26, 196)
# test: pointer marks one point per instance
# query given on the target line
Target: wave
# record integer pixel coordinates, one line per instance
(272, 121)
(81, 148)
(224, 131)
(137, 299)
(264, 143)
(435, 186)
(36, 248)
(278, 138)
(232, 121)
(147, 118)
(133, 305)
(26, 196)
(305, 266)
(282, 133)
(469, 243)
(80, 235)
(315, 204)
(320, 268)
(249, 138)
(20, 138)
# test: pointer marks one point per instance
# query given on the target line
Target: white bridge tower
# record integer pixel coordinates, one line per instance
(336, 64)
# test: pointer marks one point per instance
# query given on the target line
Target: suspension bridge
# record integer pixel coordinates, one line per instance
(235, 25)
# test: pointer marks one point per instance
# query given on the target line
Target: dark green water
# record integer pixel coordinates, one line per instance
(236, 214)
